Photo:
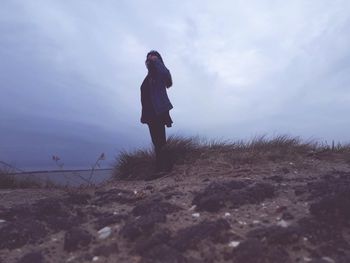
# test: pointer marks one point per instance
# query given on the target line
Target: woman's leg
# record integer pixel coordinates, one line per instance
(158, 136)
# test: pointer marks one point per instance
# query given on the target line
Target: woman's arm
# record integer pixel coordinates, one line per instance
(164, 72)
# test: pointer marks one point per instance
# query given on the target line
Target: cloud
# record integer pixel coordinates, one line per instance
(239, 68)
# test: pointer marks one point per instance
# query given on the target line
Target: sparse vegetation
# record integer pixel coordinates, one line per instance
(88, 181)
(58, 161)
(139, 164)
(9, 181)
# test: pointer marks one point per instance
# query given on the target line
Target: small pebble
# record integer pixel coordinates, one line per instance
(328, 259)
(234, 244)
(2, 221)
(196, 215)
(193, 208)
(104, 232)
(95, 258)
(283, 223)
(256, 222)
(71, 259)
(227, 214)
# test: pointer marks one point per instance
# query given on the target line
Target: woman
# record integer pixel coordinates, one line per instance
(156, 106)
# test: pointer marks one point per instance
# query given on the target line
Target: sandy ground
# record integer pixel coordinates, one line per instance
(209, 211)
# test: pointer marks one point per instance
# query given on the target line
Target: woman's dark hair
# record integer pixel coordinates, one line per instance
(155, 53)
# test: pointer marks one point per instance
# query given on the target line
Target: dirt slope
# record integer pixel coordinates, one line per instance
(209, 211)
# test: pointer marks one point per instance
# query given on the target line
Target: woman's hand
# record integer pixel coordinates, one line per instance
(152, 57)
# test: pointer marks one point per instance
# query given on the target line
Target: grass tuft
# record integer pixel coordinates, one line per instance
(140, 164)
(186, 150)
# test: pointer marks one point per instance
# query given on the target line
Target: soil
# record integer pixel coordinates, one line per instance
(207, 211)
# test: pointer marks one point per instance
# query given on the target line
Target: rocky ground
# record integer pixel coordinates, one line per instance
(294, 210)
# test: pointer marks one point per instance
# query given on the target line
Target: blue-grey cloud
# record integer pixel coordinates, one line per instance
(70, 72)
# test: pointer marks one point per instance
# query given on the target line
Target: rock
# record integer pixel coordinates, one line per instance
(45, 208)
(300, 190)
(214, 196)
(192, 208)
(311, 229)
(21, 232)
(275, 178)
(235, 193)
(106, 219)
(189, 237)
(106, 250)
(328, 259)
(234, 243)
(104, 232)
(329, 184)
(142, 225)
(283, 223)
(259, 192)
(276, 235)
(254, 251)
(76, 238)
(287, 216)
(56, 214)
(334, 208)
(328, 239)
(248, 251)
(196, 215)
(163, 254)
(285, 170)
(62, 222)
(32, 257)
(146, 243)
(154, 206)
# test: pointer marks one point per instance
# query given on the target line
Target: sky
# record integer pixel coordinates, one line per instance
(70, 73)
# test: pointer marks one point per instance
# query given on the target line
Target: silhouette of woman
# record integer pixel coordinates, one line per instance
(156, 106)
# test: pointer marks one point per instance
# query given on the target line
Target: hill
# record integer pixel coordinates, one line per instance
(267, 200)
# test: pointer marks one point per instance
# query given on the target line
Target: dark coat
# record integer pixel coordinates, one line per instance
(154, 98)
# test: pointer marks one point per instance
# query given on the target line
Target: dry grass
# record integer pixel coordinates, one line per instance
(10, 181)
(139, 164)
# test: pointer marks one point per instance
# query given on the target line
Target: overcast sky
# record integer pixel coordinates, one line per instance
(70, 73)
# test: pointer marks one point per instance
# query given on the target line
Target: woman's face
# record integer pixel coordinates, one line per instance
(150, 58)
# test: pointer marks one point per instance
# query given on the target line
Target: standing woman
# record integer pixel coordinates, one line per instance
(156, 106)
